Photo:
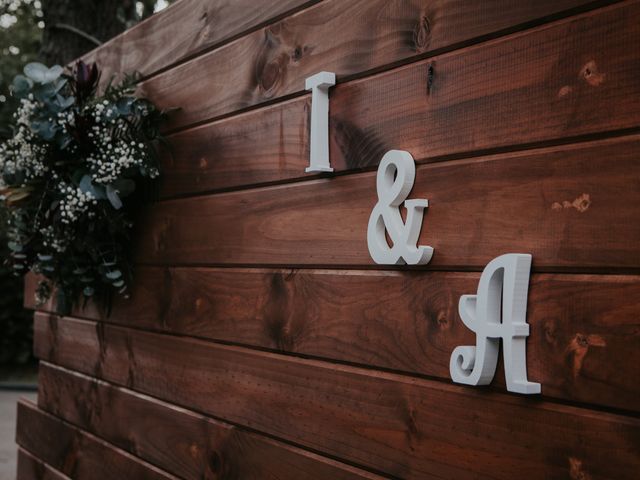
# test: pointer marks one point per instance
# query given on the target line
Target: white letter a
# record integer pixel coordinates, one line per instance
(499, 310)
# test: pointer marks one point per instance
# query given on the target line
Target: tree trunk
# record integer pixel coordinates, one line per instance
(74, 27)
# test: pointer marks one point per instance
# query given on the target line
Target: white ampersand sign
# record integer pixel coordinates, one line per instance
(396, 175)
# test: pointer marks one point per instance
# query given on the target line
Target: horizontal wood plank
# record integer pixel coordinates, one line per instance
(32, 468)
(76, 453)
(406, 427)
(572, 207)
(262, 146)
(185, 29)
(180, 441)
(574, 78)
(585, 329)
(348, 38)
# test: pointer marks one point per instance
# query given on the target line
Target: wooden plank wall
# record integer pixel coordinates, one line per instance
(262, 342)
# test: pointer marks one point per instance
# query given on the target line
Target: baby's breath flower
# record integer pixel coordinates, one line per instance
(69, 166)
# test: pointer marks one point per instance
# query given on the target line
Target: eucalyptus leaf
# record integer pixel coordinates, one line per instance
(124, 105)
(63, 102)
(21, 86)
(40, 73)
(64, 141)
(14, 247)
(45, 92)
(113, 275)
(44, 129)
(60, 83)
(112, 195)
(97, 191)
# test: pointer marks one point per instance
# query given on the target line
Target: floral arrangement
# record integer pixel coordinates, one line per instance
(69, 177)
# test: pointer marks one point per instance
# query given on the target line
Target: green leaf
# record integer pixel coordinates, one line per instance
(112, 195)
(88, 291)
(39, 73)
(21, 86)
(64, 103)
(60, 83)
(124, 105)
(45, 92)
(86, 185)
(64, 141)
(14, 246)
(44, 129)
(113, 275)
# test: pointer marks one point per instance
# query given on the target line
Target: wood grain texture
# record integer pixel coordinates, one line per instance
(572, 207)
(76, 453)
(406, 427)
(348, 38)
(573, 78)
(184, 29)
(242, 355)
(32, 468)
(585, 329)
(261, 146)
(178, 440)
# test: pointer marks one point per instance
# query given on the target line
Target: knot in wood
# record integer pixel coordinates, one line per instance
(272, 74)
(422, 34)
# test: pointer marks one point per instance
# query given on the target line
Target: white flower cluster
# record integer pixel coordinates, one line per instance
(50, 240)
(99, 114)
(66, 119)
(22, 152)
(114, 157)
(26, 109)
(75, 203)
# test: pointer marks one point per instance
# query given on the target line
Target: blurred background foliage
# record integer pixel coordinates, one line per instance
(51, 32)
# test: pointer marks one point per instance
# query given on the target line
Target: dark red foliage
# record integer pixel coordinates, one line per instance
(85, 80)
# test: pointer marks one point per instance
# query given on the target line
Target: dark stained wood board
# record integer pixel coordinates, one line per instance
(180, 441)
(76, 453)
(572, 207)
(402, 426)
(570, 79)
(348, 38)
(583, 347)
(185, 29)
(32, 468)
(261, 341)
